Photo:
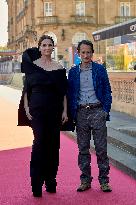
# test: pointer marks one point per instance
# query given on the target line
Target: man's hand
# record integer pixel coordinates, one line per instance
(106, 114)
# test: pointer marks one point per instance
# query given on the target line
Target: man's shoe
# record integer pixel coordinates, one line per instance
(84, 186)
(105, 187)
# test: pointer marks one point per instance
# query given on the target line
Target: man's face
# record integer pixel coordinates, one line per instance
(85, 53)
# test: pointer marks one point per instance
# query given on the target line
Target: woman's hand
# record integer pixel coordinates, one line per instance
(64, 117)
(28, 113)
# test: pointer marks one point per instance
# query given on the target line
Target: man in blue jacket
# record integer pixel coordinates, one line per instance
(90, 103)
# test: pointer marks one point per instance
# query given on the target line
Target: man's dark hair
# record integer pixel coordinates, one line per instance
(45, 37)
(86, 42)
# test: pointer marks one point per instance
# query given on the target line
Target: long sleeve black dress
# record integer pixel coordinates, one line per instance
(45, 90)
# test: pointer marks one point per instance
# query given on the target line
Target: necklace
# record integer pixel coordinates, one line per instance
(87, 67)
(46, 65)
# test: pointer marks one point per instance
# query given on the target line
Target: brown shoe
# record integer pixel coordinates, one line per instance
(84, 186)
(105, 187)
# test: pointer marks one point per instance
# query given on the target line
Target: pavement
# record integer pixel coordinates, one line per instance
(12, 136)
(122, 122)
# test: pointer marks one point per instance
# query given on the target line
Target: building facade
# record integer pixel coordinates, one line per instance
(67, 21)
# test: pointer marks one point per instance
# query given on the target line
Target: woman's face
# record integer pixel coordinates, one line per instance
(46, 47)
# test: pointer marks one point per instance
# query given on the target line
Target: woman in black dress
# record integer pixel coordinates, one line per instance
(45, 105)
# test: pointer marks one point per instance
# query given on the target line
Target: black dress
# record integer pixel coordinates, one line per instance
(46, 104)
(46, 91)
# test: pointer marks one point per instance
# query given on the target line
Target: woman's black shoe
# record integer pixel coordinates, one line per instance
(37, 194)
(36, 187)
(51, 189)
(51, 186)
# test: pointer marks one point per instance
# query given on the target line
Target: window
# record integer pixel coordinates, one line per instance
(78, 37)
(124, 8)
(80, 8)
(47, 9)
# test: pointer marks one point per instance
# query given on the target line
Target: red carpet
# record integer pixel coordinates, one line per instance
(15, 181)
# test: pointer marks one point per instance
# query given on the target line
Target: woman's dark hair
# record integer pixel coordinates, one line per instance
(135, 67)
(86, 42)
(45, 37)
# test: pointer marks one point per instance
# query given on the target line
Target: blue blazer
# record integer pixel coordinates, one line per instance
(101, 86)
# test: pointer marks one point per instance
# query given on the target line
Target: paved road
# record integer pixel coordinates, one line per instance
(10, 94)
(12, 136)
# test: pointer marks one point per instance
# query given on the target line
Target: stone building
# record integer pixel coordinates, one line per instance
(67, 21)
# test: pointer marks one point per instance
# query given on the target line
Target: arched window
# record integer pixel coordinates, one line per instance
(79, 36)
(52, 35)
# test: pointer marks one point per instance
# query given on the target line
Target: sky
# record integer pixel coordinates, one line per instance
(3, 22)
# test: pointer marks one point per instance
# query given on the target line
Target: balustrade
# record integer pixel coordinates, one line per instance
(123, 87)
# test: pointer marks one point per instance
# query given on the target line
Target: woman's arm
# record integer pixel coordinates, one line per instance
(26, 107)
(65, 104)
(25, 100)
(64, 114)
